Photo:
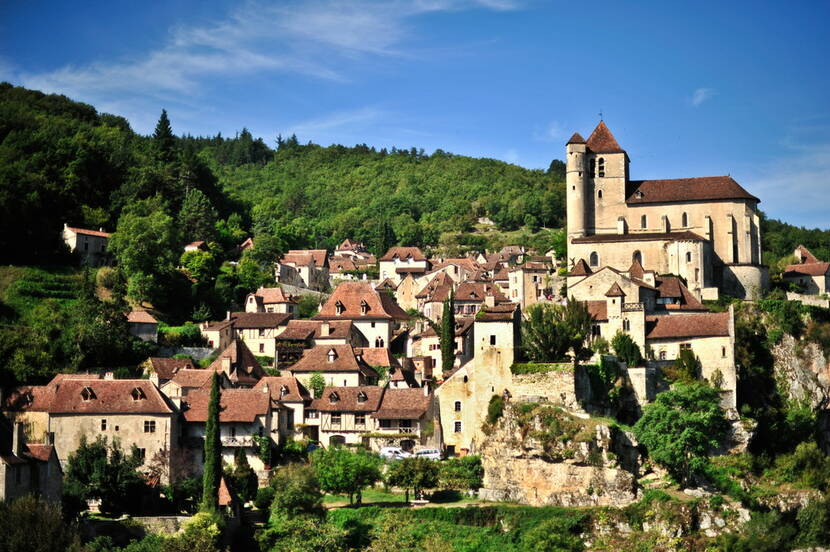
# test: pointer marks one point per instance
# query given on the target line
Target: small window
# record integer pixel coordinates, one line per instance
(361, 397)
(262, 332)
(595, 330)
(87, 393)
(457, 427)
(684, 219)
(593, 260)
(364, 307)
(637, 257)
(332, 355)
(601, 167)
(723, 352)
(385, 424)
(688, 256)
(599, 194)
(339, 308)
(662, 355)
(643, 222)
(138, 394)
(149, 426)
(458, 406)
(103, 424)
(262, 347)
(373, 324)
(626, 325)
(592, 168)
(142, 453)
(335, 418)
(492, 340)
(360, 419)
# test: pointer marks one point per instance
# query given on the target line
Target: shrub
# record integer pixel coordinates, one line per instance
(264, 497)
(461, 473)
(29, 524)
(626, 349)
(495, 409)
(807, 466)
(600, 346)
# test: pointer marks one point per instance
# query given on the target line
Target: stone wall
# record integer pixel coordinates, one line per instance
(561, 387)
(811, 300)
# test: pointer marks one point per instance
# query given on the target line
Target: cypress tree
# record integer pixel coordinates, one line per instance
(447, 338)
(213, 451)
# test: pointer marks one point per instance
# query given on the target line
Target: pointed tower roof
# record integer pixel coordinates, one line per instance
(581, 268)
(636, 270)
(615, 291)
(602, 141)
(576, 139)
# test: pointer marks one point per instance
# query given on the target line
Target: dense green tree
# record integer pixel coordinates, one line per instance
(213, 451)
(545, 334)
(342, 471)
(681, 426)
(464, 473)
(243, 476)
(317, 384)
(626, 349)
(447, 336)
(197, 217)
(29, 524)
(164, 142)
(415, 473)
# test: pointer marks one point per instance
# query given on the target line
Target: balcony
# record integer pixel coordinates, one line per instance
(239, 441)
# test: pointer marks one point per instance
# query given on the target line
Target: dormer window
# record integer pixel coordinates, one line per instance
(638, 194)
(332, 355)
(361, 397)
(283, 391)
(138, 394)
(333, 397)
(364, 307)
(88, 394)
(339, 308)
(601, 167)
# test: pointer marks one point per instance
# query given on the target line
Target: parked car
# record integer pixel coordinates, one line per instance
(394, 453)
(431, 453)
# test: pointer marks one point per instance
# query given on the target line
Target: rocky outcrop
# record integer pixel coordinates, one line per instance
(802, 373)
(541, 455)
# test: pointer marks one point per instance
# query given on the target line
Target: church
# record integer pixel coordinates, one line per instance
(705, 230)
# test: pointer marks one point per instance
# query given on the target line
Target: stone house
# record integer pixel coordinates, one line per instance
(458, 270)
(810, 274)
(239, 364)
(143, 325)
(259, 330)
(405, 291)
(187, 380)
(428, 342)
(470, 297)
(218, 335)
(352, 249)
(271, 300)
(430, 299)
(27, 468)
(244, 416)
(706, 230)
(340, 365)
(90, 246)
(306, 268)
(375, 417)
(532, 282)
(400, 261)
(161, 370)
(199, 245)
(294, 399)
(375, 314)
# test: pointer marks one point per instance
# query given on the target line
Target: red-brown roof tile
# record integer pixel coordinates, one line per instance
(640, 236)
(166, 368)
(404, 253)
(137, 396)
(351, 295)
(576, 139)
(301, 330)
(141, 317)
(477, 291)
(686, 189)
(245, 369)
(403, 404)
(39, 452)
(377, 356)
(598, 310)
(438, 289)
(504, 312)
(235, 405)
(364, 398)
(254, 320)
(273, 295)
(806, 255)
(602, 141)
(193, 379)
(306, 257)
(284, 388)
(807, 269)
(99, 233)
(581, 268)
(344, 359)
(674, 326)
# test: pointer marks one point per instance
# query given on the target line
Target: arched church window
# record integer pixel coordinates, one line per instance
(643, 222)
(594, 259)
(685, 220)
(601, 166)
(637, 257)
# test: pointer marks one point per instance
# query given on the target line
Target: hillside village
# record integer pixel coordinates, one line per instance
(412, 350)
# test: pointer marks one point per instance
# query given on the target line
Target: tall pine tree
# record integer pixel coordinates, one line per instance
(164, 143)
(447, 338)
(213, 452)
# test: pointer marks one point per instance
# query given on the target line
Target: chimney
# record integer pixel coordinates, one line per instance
(426, 389)
(490, 300)
(226, 364)
(325, 329)
(228, 315)
(18, 438)
(265, 389)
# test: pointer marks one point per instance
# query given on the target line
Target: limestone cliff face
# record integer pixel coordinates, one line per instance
(802, 372)
(540, 455)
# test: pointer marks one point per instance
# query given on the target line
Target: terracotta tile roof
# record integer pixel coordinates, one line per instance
(300, 330)
(403, 404)
(352, 295)
(99, 233)
(404, 253)
(675, 326)
(462, 326)
(576, 139)
(477, 291)
(387, 284)
(235, 405)
(377, 356)
(806, 255)
(340, 264)
(141, 317)
(349, 245)
(602, 141)
(405, 374)
(672, 287)
(464, 263)
(502, 274)
(306, 257)
(511, 250)
(364, 398)
(492, 261)
(284, 388)
(273, 295)
(615, 291)
(807, 269)
(137, 396)
(636, 270)
(686, 189)
(438, 289)
(581, 268)
(166, 368)
(225, 495)
(598, 310)
(499, 313)
(41, 453)
(245, 369)
(195, 244)
(217, 326)
(640, 236)
(253, 320)
(344, 359)
(531, 266)
(193, 379)
(29, 398)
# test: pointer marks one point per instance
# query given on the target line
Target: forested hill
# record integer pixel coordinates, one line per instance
(62, 161)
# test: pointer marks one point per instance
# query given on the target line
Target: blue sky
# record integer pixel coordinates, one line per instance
(688, 88)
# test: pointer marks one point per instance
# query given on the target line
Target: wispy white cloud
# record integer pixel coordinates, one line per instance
(332, 121)
(701, 95)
